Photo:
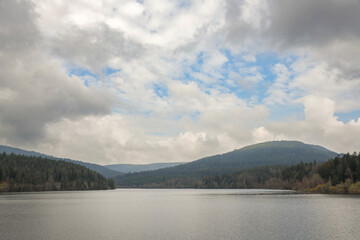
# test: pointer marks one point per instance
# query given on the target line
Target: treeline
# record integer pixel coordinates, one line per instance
(338, 175)
(302, 175)
(27, 173)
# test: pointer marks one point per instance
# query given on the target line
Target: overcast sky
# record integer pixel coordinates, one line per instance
(162, 81)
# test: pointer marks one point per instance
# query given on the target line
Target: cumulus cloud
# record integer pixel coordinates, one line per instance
(35, 88)
(320, 126)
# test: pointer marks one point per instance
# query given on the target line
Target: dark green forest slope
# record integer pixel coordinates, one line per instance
(29, 173)
(337, 175)
(106, 172)
(268, 153)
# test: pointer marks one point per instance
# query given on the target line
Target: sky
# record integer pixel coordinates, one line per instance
(142, 81)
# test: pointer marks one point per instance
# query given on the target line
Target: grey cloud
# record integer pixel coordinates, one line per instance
(17, 30)
(38, 91)
(327, 29)
(94, 46)
(297, 23)
(237, 30)
(313, 22)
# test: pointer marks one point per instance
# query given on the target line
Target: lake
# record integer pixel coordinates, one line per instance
(178, 214)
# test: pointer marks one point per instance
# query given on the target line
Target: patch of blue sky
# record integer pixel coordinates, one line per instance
(83, 73)
(80, 72)
(346, 117)
(248, 80)
(107, 71)
(264, 65)
(87, 76)
(160, 90)
(199, 62)
(261, 70)
(189, 72)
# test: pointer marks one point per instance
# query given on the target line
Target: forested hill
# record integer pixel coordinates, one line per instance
(262, 154)
(267, 153)
(109, 173)
(30, 173)
(337, 175)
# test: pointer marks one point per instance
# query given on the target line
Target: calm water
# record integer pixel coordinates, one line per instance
(178, 214)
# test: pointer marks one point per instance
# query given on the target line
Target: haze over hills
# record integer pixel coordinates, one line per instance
(262, 154)
(128, 168)
(106, 172)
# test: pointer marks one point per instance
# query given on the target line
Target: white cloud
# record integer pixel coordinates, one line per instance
(254, 13)
(261, 134)
(190, 77)
(322, 80)
(320, 111)
(320, 126)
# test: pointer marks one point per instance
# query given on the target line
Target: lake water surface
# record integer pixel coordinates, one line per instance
(178, 214)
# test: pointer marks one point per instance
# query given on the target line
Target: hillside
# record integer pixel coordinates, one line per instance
(30, 173)
(337, 175)
(262, 154)
(267, 153)
(108, 173)
(128, 168)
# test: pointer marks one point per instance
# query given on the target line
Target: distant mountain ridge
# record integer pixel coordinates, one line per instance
(127, 168)
(108, 173)
(261, 154)
(268, 153)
